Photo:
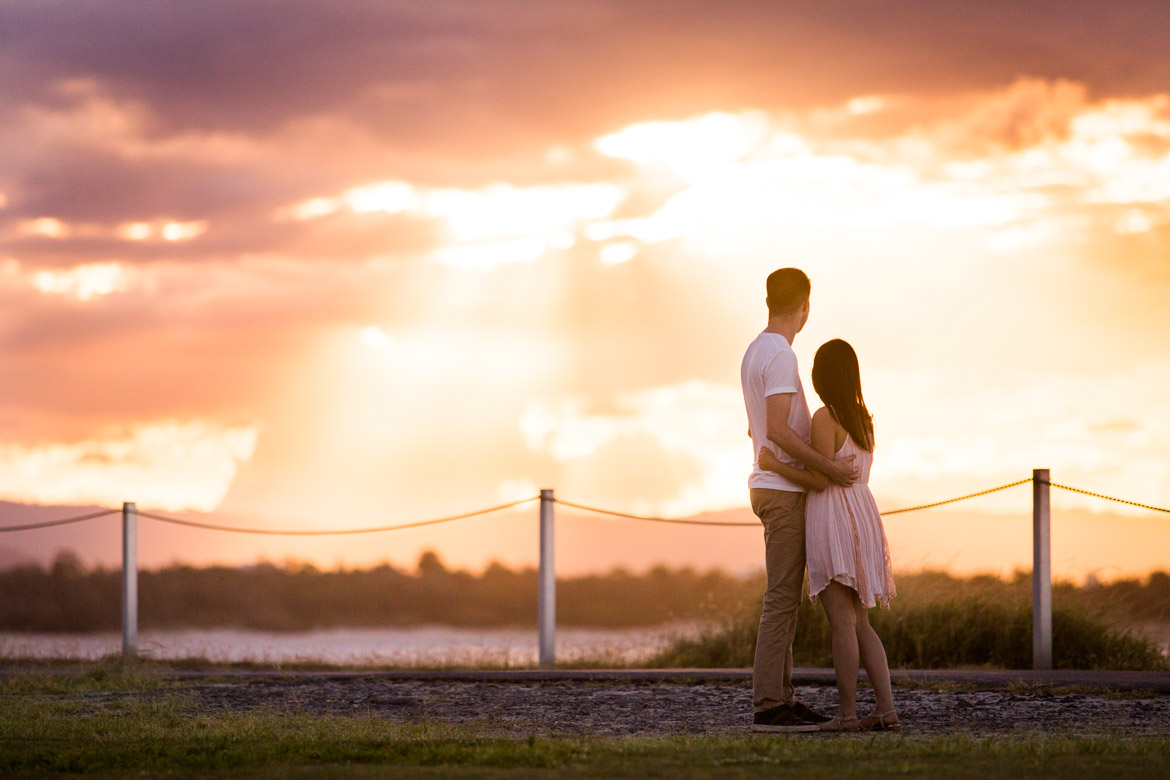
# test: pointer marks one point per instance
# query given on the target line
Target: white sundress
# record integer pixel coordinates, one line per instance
(844, 537)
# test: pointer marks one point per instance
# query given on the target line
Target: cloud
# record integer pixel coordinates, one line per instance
(249, 286)
(1038, 162)
(83, 282)
(1045, 421)
(668, 450)
(502, 74)
(474, 227)
(164, 465)
(465, 98)
(1031, 112)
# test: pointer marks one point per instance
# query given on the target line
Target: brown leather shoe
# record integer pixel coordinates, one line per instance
(781, 719)
(804, 713)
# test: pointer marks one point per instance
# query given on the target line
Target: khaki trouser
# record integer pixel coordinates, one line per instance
(782, 513)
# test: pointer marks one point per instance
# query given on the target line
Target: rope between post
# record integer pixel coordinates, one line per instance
(1110, 498)
(570, 504)
(337, 532)
(653, 519)
(66, 521)
(756, 525)
(953, 500)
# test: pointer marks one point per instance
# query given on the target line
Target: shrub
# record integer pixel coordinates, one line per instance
(959, 632)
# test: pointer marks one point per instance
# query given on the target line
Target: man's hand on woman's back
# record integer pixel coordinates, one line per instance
(843, 472)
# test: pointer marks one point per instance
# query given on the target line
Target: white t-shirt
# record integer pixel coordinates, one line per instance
(769, 367)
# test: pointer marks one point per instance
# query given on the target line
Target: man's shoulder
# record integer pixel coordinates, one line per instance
(768, 344)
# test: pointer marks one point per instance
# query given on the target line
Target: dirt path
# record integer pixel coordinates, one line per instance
(654, 708)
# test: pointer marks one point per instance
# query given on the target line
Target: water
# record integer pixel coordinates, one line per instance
(413, 646)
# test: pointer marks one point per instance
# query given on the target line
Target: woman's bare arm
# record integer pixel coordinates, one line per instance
(777, 406)
(806, 478)
(824, 440)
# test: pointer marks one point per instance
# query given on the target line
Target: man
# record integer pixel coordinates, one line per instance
(778, 417)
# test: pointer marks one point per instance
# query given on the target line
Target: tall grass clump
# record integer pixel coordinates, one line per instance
(969, 631)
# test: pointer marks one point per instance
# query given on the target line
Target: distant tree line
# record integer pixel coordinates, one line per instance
(1122, 602)
(67, 596)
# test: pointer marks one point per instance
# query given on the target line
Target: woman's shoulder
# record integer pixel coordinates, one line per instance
(823, 420)
(823, 416)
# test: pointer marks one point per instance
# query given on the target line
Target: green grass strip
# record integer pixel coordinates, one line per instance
(89, 733)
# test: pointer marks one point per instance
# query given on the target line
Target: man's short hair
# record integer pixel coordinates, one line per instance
(788, 289)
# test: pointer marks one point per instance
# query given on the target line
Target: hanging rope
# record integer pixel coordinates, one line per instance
(653, 519)
(501, 507)
(335, 532)
(757, 525)
(1110, 498)
(51, 523)
(953, 500)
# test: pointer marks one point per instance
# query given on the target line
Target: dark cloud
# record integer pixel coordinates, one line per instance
(89, 185)
(479, 72)
(252, 66)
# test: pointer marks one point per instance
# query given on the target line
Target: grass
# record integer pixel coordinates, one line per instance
(38, 678)
(42, 733)
(78, 724)
(960, 632)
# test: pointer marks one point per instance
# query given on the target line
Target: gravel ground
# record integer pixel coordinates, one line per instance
(658, 708)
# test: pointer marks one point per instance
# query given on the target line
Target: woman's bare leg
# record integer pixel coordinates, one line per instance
(837, 600)
(873, 656)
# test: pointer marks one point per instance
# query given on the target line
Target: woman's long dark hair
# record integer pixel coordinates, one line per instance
(837, 380)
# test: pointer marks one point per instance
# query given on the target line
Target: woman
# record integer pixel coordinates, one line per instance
(848, 556)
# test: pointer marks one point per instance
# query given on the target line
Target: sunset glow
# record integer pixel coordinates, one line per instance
(349, 288)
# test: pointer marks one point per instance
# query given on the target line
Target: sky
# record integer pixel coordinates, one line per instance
(306, 265)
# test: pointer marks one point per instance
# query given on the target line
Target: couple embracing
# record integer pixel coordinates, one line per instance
(809, 489)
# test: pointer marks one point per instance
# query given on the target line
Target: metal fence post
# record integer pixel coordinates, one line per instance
(547, 601)
(129, 581)
(1041, 572)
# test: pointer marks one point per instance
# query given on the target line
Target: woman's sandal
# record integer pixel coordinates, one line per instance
(837, 724)
(876, 722)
